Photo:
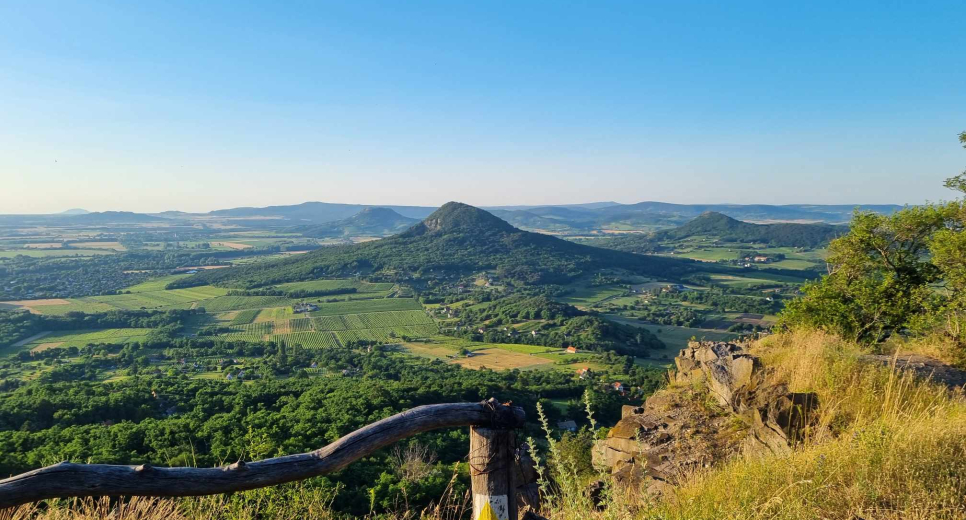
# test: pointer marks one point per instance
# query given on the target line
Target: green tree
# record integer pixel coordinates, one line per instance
(892, 273)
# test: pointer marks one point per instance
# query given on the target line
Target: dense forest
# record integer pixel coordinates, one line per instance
(177, 421)
(557, 325)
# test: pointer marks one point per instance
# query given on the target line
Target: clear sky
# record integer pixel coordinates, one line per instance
(198, 105)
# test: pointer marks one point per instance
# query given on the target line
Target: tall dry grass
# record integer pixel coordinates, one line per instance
(885, 446)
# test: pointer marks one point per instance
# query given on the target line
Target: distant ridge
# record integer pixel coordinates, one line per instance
(318, 212)
(728, 229)
(74, 211)
(370, 221)
(111, 217)
(456, 240)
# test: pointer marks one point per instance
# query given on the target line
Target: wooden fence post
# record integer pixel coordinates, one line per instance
(491, 468)
(67, 480)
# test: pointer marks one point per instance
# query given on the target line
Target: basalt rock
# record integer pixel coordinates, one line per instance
(678, 430)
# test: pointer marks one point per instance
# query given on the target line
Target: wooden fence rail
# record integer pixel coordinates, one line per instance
(66, 479)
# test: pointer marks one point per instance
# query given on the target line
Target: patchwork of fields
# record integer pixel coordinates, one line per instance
(81, 338)
(368, 314)
(332, 329)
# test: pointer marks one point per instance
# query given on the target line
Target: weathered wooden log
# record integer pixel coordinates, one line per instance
(491, 473)
(66, 479)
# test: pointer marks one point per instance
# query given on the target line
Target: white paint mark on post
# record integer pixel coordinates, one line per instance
(491, 507)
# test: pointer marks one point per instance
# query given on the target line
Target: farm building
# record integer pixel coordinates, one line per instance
(300, 308)
(567, 426)
(571, 350)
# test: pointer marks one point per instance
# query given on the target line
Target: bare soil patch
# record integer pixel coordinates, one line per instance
(496, 358)
(31, 305)
(231, 245)
(100, 245)
(45, 346)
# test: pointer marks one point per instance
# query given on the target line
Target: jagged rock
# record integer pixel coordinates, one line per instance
(627, 410)
(673, 433)
(925, 367)
(524, 478)
(726, 367)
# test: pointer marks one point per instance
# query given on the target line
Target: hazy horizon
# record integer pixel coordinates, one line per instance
(483, 206)
(114, 106)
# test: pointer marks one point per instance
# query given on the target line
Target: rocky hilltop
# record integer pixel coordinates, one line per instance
(720, 404)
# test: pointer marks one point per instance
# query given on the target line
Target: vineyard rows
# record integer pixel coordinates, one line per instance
(308, 339)
(373, 320)
(245, 317)
(258, 329)
(366, 306)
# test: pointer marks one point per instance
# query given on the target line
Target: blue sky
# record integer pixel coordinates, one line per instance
(147, 106)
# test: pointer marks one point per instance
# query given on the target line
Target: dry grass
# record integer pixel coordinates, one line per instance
(887, 446)
(298, 500)
(499, 359)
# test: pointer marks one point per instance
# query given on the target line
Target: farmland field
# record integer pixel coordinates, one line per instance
(81, 338)
(253, 330)
(72, 305)
(42, 253)
(501, 359)
(307, 339)
(333, 285)
(388, 334)
(156, 284)
(585, 296)
(329, 323)
(524, 349)
(234, 303)
(177, 298)
(144, 298)
(245, 316)
(355, 307)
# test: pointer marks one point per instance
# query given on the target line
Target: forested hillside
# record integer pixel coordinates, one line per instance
(377, 222)
(456, 240)
(725, 229)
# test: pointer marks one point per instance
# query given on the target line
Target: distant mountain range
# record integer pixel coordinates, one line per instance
(75, 211)
(570, 219)
(455, 240)
(376, 222)
(111, 217)
(726, 229)
(579, 218)
(318, 211)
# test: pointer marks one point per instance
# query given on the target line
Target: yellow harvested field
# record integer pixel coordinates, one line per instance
(231, 245)
(43, 245)
(38, 303)
(32, 305)
(100, 245)
(422, 349)
(200, 268)
(45, 346)
(497, 359)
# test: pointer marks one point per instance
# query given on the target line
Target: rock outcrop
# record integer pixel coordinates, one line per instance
(719, 405)
(924, 367)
